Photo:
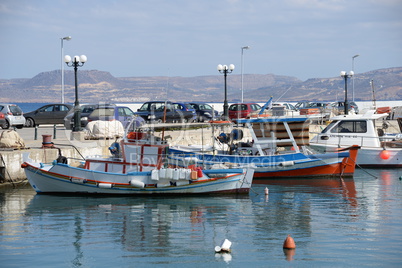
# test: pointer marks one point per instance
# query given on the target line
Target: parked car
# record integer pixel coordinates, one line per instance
(109, 113)
(340, 106)
(284, 108)
(243, 110)
(319, 108)
(182, 106)
(204, 111)
(48, 114)
(13, 115)
(310, 104)
(154, 111)
(86, 109)
(2, 119)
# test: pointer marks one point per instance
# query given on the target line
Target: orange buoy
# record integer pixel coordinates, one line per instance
(289, 243)
(385, 154)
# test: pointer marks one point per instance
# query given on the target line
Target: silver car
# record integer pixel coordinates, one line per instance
(14, 115)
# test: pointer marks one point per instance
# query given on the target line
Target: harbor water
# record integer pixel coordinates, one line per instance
(334, 222)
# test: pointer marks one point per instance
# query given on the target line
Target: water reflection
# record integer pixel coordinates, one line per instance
(97, 231)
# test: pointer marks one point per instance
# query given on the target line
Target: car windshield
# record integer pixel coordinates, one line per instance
(88, 109)
(15, 110)
(205, 107)
(125, 111)
(188, 106)
(157, 106)
(238, 107)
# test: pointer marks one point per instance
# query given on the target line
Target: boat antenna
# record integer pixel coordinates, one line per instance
(373, 92)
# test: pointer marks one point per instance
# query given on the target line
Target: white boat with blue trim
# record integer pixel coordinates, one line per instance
(279, 149)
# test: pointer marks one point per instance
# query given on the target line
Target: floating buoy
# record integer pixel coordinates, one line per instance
(266, 191)
(225, 247)
(384, 154)
(289, 243)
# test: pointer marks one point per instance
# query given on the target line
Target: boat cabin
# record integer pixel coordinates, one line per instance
(347, 130)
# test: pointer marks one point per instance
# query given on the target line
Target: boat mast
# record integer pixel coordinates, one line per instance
(373, 92)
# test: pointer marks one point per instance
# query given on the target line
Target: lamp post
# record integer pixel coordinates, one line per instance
(353, 78)
(225, 70)
(67, 38)
(77, 61)
(243, 48)
(345, 77)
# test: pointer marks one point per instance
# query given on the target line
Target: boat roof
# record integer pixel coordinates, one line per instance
(275, 119)
(369, 115)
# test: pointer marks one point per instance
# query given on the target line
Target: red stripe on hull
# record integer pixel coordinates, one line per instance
(345, 169)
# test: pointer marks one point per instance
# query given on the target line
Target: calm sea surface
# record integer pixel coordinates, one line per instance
(334, 222)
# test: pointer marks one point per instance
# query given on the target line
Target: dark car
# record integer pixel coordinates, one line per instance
(204, 111)
(243, 110)
(86, 110)
(183, 106)
(48, 114)
(120, 113)
(163, 111)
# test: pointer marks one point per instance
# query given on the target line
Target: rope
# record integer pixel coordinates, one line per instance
(364, 170)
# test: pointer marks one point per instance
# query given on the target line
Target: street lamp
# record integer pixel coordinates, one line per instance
(345, 77)
(67, 38)
(243, 48)
(225, 70)
(353, 78)
(78, 61)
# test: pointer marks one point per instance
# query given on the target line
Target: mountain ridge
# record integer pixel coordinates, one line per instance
(95, 86)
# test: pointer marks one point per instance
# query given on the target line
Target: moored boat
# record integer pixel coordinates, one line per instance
(377, 148)
(136, 167)
(279, 149)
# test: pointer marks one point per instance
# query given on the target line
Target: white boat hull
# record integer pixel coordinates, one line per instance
(369, 156)
(62, 178)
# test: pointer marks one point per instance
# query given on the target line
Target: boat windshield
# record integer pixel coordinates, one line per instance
(350, 126)
(330, 126)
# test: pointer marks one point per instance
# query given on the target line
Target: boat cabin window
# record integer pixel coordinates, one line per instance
(357, 126)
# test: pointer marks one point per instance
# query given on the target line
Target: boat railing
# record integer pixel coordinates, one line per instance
(349, 138)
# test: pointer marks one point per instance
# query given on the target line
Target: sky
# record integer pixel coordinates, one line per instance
(135, 38)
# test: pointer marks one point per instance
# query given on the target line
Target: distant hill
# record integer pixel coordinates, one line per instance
(94, 86)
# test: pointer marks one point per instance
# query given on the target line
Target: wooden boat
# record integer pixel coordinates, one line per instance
(136, 167)
(279, 150)
(377, 148)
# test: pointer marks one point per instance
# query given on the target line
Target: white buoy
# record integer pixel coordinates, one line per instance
(266, 191)
(225, 247)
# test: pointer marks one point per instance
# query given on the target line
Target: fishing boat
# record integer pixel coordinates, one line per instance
(136, 166)
(377, 148)
(279, 149)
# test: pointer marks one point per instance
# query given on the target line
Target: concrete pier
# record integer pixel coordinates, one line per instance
(40, 151)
